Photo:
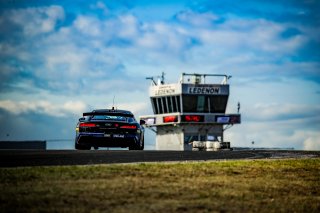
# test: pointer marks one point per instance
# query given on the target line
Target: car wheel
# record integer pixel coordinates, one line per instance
(82, 147)
(135, 146)
(132, 148)
(141, 144)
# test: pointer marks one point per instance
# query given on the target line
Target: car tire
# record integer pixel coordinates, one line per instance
(135, 147)
(132, 148)
(142, 144)
(82, 147)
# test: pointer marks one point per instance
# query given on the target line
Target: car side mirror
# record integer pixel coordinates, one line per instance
(82, 119)
(142, 122)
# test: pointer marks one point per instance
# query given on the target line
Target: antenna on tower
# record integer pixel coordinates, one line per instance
(151, 78)
(159, 81)
(162, 77)
(113, 102)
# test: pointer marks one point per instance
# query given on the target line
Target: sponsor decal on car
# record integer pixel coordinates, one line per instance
(118, 136)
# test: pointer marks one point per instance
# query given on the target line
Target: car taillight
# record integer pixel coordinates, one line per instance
(87, 125)
(128, 127)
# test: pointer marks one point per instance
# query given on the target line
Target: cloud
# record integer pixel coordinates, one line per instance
(197, 19)
(284, 134)
(282, 112)
(137, 108)
(63, 60)
(87, 25)
(99, 5)
(163, 38)
(43, 107)
(312, 142)
(250, 35)
(274, 33)
(64, 56)
(282, 125)
(35, 126)
(252, 45)
(281, 11)
(40, 20)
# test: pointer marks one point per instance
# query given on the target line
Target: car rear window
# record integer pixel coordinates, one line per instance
(108, 117)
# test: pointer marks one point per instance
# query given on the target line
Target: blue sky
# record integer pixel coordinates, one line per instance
(61, 58)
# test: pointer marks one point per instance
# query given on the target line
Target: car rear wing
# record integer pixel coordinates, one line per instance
(108, 113)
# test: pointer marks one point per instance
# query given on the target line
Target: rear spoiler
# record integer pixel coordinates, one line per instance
(108, 113)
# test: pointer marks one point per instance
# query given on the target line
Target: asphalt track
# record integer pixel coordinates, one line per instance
(21, 158)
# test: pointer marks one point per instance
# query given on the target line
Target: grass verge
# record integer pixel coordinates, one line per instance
(223, 186)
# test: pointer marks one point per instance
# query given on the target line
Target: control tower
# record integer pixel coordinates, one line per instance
(192, 110)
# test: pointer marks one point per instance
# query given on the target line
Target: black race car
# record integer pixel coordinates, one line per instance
(109, 128)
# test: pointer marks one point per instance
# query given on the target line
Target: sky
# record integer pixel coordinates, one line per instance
(59, 59)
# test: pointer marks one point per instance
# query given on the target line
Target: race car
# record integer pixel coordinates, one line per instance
(109, 128)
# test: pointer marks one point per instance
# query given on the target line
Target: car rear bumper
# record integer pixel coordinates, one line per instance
(107, 140)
